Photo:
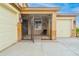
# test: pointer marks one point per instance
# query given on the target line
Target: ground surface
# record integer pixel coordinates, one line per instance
(59, 47)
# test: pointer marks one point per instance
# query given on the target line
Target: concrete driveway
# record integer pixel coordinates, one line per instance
(59, 47)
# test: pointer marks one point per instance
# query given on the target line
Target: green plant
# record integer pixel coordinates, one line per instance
(77, 30)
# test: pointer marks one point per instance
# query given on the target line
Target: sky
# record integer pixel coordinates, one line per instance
(69, 8)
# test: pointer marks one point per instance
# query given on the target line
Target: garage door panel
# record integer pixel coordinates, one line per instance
(9, 21)
(9, 27)
(63, 28)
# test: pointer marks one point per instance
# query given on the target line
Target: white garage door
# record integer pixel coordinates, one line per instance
(63, 28)
(8, 28)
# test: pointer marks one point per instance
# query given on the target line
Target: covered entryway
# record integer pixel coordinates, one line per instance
(41, 22)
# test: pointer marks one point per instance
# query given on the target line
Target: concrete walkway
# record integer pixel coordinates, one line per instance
(59, 47)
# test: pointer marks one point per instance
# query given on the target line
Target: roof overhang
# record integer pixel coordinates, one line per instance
(15, 6)
(66, 15)
(39, 10)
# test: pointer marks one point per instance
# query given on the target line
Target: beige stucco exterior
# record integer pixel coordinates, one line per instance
(55, 16)
(11, 20)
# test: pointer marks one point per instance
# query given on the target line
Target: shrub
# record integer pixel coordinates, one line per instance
(77, 30)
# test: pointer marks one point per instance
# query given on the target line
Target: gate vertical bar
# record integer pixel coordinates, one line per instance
(32, 33)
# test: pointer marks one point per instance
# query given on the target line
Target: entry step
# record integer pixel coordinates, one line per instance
(37, 37)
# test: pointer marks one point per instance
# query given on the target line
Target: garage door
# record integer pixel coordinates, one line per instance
(8, 28)
(63, 28)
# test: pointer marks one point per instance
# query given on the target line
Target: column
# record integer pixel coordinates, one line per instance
(73, 34)
(19, 28)
(49, 27)
(53, 26)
